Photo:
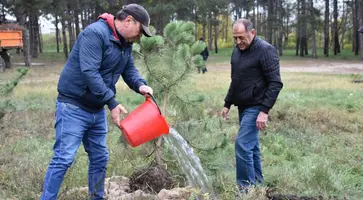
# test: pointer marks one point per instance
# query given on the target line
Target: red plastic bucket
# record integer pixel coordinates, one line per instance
(144, 123)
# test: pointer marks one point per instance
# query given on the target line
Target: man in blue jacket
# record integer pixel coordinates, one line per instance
(102, 53)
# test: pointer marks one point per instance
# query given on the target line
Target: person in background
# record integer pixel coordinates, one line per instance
(205, 55)
(101, 54)
(255, 86)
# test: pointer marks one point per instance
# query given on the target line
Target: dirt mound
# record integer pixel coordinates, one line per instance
(152, 179)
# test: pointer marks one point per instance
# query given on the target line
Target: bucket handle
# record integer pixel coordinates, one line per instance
(152, 97)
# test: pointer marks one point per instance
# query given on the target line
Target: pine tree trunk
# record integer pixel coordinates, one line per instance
(344, 24)
(247, 10)
(303, 37)
(57, 32)
(227, 27)
(34, 34)
(281, 27)
(357, 46)
(40, 41)
(72, 38)
(65, 41)
(26, 48)
(258, 25)
(210, 33)
(204, 34)
(335, 29)
(216, 30)
(159, 142)
(361, 24)
(254, 14)
(298, 28)
(76, 21)
(313, 27)
(269, 21)
(83, 18)
(326, 29)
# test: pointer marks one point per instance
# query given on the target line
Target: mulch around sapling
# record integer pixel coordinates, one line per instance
(151, 179)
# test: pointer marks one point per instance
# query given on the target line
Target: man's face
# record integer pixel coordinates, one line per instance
(242, 37)
(132, 29)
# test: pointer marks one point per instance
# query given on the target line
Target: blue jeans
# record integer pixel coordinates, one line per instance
(73, 126)
(247, 146)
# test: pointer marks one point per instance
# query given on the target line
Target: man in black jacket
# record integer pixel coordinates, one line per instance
(205, 55)
(254, 88)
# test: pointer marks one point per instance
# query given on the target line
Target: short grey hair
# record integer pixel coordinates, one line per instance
(246, 23)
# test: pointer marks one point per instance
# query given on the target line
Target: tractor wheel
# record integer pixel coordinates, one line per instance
(6, 57)
(2, 65)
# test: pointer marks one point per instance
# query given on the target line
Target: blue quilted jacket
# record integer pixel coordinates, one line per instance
(98, 59)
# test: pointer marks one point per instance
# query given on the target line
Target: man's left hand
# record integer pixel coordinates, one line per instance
(145, 90)
(261, 122)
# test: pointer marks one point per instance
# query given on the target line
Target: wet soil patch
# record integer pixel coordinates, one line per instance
(151, 180)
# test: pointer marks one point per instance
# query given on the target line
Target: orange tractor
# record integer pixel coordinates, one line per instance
(11, 37)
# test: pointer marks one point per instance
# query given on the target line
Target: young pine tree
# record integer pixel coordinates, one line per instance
(169, 61)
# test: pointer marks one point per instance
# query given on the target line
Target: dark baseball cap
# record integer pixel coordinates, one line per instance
(141, 15)
(360, 29)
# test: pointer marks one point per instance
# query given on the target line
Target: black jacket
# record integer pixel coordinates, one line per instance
(205, 54)
(255, 76)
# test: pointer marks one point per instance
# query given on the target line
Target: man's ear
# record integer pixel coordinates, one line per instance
(253, 31)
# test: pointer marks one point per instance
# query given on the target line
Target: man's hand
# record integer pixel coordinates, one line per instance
(145, 90)
(116, 112)
(261, 122)
(225, 113)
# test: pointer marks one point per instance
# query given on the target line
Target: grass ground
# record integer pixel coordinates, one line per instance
(313, 145)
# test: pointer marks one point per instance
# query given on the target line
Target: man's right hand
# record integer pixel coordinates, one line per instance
(225, 113)
(116, 112)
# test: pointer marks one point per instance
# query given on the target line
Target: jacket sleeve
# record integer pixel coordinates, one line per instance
(271, 73)
(132, 76)
(90, 58)
(228, 99)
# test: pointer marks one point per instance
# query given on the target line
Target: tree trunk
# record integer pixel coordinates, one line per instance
(269, 21)
(254, 21)
(298, 31)
(344, 24)
(281, 27)
(361, 24)
(204, 34)
(247, 7)
(158, 150)
(216, 30)
(65, 41)
(210, 34)
(335, 29)
(258, 24)
(40, 39)
(72, 38)
(26, 48)
(227, 27)
(326, 29)
(34, 26)
(76, 21)
(57, 32)
(303, 28)
(84, 18)
(313, 27)
(357, 18)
